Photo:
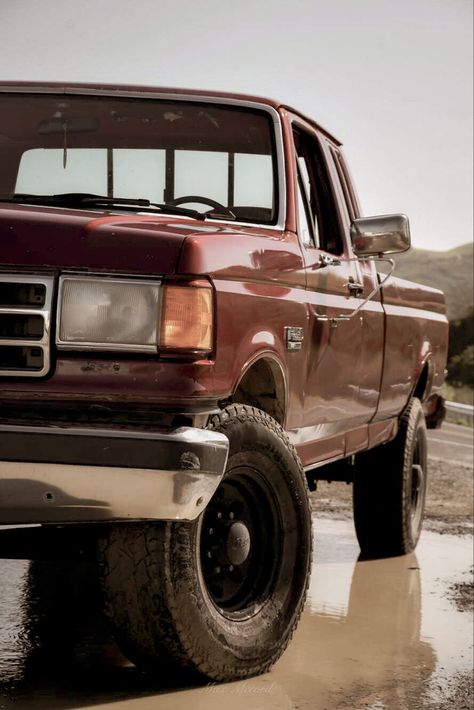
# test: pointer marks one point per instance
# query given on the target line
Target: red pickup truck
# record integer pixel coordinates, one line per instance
(193, 331)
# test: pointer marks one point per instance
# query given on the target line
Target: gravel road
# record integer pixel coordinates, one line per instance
(449, 502)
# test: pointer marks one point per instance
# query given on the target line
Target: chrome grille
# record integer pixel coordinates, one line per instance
(25, 323)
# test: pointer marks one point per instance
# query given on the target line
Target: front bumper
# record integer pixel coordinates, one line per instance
(73, 475)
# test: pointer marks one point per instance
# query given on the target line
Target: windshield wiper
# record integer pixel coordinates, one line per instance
(85, 199)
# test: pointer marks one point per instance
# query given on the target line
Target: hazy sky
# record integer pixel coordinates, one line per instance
(391, 78)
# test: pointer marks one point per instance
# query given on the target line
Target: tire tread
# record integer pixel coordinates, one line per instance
(381, 496)
(141, 553)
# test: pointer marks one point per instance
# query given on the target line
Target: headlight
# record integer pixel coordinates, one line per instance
(108, 314)
(140, 316)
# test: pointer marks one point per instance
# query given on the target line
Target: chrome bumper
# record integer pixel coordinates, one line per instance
(61, 475)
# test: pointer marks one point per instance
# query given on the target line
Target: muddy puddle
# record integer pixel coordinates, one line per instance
(383, 634)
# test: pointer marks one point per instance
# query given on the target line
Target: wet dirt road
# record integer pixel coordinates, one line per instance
(382, 634)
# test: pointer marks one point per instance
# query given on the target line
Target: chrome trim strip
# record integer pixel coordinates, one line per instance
(197, 98)
(43, 311)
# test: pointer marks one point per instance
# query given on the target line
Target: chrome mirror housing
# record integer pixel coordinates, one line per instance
(377, 236)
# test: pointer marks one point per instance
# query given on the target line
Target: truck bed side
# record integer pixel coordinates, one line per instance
(416, 335)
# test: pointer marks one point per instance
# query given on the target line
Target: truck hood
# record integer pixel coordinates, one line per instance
(57, 238)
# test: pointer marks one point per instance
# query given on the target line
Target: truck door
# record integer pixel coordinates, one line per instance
(334, 401)
(372, 316)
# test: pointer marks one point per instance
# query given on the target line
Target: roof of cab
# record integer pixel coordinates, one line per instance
(128, 89)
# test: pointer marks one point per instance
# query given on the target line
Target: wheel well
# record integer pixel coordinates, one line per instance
(263, 386)
(420, 388)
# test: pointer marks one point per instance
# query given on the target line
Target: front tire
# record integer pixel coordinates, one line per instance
(218, 598)
(390, 489)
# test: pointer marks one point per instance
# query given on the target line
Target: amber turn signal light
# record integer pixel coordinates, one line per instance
(187, 317)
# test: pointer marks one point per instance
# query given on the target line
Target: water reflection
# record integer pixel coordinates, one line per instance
(367, 639)
(13, 641)
(360, 631)
(58, 646)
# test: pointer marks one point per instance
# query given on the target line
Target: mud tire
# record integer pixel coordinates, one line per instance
(390, 489)
(158, 596)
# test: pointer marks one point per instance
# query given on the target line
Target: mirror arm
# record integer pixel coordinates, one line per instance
(336, 319)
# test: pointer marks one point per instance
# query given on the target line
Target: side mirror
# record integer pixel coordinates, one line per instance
(375, 236)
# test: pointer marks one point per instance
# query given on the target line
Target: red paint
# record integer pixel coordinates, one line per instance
(335, 388)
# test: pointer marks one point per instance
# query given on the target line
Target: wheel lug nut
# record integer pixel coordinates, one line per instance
(211, 531)
(231, 516)
(219, 516)
(231, 568)
(209, 554)
(217, 570)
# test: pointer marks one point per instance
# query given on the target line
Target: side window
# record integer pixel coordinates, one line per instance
(316, 192)
(304, 223)
(304, 203)
(349, 197)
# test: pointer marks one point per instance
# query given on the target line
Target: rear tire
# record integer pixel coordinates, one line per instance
(218, 598)
(390, 489)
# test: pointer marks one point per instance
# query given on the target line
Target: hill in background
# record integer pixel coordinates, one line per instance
(451, 271)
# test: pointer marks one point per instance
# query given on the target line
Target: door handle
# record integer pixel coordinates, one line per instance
(381, 281)
(355, 288)
(327, 260)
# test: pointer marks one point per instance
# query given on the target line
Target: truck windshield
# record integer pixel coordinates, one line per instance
(214, 158)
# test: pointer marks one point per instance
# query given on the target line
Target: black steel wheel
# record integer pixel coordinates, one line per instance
(390, 489)
(218, 598)
(241, 543)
